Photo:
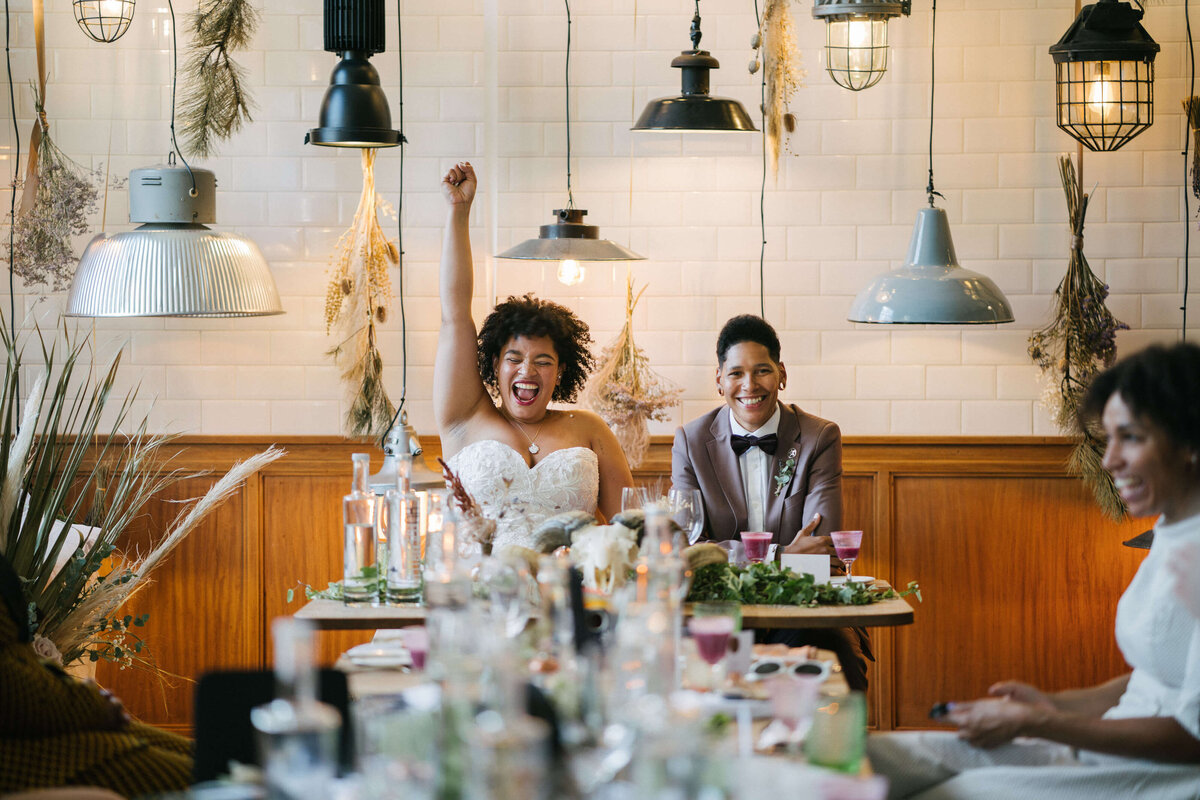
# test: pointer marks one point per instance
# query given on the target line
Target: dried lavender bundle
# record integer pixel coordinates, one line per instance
(782, 72)
(626, 392)
(67, 193)
(1077, 344)
(357, 298)
(215, 101)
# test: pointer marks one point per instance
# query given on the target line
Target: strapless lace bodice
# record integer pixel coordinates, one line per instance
(520, 497)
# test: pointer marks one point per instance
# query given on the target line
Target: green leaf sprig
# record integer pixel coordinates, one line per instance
(770, 584)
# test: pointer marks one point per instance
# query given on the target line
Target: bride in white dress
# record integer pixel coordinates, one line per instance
(519, 459)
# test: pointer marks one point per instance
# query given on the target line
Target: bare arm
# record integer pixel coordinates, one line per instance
(614, 469)
(458, 392)
(1090, 702)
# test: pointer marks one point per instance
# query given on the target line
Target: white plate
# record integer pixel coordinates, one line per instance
(372, 654)
(839, 580)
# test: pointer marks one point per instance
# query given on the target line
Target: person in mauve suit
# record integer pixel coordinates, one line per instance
(763, 465)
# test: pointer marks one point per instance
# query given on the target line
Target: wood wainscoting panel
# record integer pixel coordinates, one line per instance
(302, 544)
(196, 602)
(1020, 578)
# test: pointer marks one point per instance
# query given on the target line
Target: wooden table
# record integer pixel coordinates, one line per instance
(334, 615)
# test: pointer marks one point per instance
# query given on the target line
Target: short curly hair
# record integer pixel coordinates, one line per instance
(747, 328)
(529, 316)
(1160, 384)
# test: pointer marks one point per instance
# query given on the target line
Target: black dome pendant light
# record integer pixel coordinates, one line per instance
(355, 110)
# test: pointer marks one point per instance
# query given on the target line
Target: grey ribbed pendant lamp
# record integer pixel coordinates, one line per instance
(694, 109)
(931, 288)
(172, 266)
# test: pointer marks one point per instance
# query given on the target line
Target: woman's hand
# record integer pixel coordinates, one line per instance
(991, 723)
(458, 186)
(1022, 693)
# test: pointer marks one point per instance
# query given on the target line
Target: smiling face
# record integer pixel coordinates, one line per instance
(527, 371)
(750, 381)
(1152, 475)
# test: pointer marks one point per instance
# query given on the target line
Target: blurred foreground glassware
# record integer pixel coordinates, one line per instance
(634, 497)
(838, 735)
(711, 626)
(687, 510)
(404, 580)
(297, 734)
(360, 555)
(509, 758)
(395, 739)
(447, 579)
(793, 702)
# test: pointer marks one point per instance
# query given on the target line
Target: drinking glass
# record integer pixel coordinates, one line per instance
(756, 543)
(634, 498)
(847, 545)
(416, 641)
(793, 700)
(687, 509)
(711, 626)
(839, 731)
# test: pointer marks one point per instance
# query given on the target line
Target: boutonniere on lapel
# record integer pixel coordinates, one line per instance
(786, 470)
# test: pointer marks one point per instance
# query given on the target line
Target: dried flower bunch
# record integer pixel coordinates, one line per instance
(625, 392)
(781, 70)
(1191, 107)
(473, 525)
(67, 498)
(64, 195)
(1078, 343)
(357, 298)
(215, 101)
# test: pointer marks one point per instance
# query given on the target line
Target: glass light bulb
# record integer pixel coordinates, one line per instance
(859, 33)
(111, 8)
(1102, 93)
(571, 272)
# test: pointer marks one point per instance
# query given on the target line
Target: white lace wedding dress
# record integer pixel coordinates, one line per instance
(520, 497)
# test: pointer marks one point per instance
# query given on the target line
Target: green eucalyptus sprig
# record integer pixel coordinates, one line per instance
(768, 583)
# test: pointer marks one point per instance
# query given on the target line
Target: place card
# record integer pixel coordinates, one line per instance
(814, 564)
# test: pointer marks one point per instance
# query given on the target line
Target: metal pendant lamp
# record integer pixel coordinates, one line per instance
(1104, 76)
(568, 240)
(172, 265)
(856, 39)
(354, 111)
(103, 20)
(694, 109)
(931, 288)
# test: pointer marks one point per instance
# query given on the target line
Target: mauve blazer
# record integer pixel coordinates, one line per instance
(702, 458)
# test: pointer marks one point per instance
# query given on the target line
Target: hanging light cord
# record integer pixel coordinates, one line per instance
(762, 186)
(1187, 226)
(174, 84)
(567, 82)
(12, 200)
(932, 63)
(400, 414)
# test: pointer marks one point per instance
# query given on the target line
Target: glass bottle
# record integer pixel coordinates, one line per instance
(297, 734)
(403, 537)
(360, 557)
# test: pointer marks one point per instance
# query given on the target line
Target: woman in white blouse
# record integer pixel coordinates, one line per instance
(1138, 735)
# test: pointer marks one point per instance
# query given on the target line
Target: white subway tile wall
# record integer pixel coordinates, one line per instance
(484, 81)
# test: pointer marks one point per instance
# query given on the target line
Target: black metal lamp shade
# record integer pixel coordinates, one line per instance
(568, 238)
(856, 39)
(694, 109)
(103, 20)
(1104, 76)
(355, 111)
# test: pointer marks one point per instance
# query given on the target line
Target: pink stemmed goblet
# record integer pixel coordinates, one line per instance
(847, 544)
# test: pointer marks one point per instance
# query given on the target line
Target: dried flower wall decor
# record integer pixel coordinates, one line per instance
(357, 298)
(1077, 344)
(1191, 107)
(60, 196)
(215, 101)
(782, 73)
(625, 392)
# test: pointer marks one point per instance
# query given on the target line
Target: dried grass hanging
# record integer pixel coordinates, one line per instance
(625, 392)
(1078, 343)
(1191, 107)
(215, 101)
(782, 73)
(357, 298)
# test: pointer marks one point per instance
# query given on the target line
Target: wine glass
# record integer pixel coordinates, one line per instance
(687, 510)
(634, 498)
(711, 626)
(757, 543)
(847, 545)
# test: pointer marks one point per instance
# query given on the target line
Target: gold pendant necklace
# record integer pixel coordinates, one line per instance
(533, 448)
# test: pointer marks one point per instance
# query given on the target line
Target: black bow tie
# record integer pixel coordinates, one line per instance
(741, 444)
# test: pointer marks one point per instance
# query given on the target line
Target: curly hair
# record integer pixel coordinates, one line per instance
(747, 328)
(529, 316)
(1160, 384)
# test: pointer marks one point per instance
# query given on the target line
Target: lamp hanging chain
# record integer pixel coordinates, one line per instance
(567, 83)
(932, 88)
(12, 203)
(1187, 227)
(174, 84)
(762, 186)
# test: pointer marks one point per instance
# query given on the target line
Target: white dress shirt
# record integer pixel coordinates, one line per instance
(756, 471)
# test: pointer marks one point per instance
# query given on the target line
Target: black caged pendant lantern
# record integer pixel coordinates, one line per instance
(856, 39)
(103, 20)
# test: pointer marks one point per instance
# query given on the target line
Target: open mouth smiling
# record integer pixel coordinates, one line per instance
(525, 392)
